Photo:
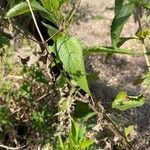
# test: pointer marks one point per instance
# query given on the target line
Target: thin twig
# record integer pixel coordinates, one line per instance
(43, 96)
(12, 148)
(36, 25)
(52, 36)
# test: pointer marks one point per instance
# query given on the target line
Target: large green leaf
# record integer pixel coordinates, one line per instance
(122, 14)
(23, 8)
(124, 102)
(69, 50)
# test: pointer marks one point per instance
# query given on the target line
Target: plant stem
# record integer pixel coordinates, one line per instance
(143, 42)
(36, 25)
(145, 51)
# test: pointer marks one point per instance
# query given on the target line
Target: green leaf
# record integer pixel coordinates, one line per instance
(122, 14)
(147, 6)
(109, 50)
(69, 50)
(86, 143)
(52, 5)
(122, 40)
(124, 102)
(143, 33)
(60, 141)
(82, 132)
(23, 8)
(88, 116)
(128, 130)
(75, 127)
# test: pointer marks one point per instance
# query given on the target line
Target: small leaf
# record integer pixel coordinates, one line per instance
(23, 8)
(70, 52)
(86, 144)
(124, 102)
(122, 14)
(128, 130)
(143, 33)
(88, 116)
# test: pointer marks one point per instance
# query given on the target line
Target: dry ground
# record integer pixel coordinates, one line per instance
(119, 72)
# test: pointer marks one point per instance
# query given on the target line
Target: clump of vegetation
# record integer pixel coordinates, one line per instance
(48, 104)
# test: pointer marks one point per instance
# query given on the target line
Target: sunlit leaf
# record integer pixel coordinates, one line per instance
(143, 33)
(23, 8)
(70, 52)
(128, 130)
(122, 14)
(86, 143)
(124, 102)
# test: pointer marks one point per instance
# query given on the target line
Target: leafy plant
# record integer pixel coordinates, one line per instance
(76, 138)
(71, 82)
